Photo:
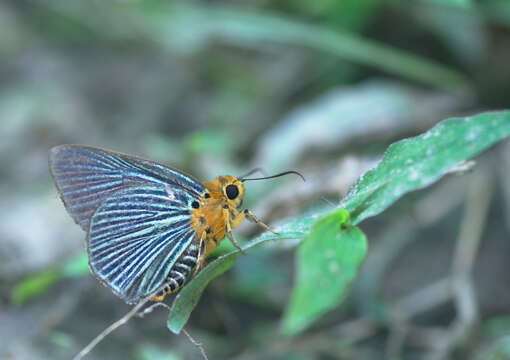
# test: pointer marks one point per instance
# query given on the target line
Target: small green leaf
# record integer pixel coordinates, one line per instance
(189, 296)
(61, 339)
(38, 284)
(34, 285)
(417, 162)
(77, 266)
(327, 261)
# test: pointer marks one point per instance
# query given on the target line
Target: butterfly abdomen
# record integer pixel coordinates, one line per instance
(180, 272)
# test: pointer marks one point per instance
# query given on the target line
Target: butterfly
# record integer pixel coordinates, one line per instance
(149, 227)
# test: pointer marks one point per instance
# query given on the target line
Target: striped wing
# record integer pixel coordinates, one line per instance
(136, 236)
(136, 213)
(86, 177)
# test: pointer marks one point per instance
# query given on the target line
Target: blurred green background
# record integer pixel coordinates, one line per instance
(221, 87)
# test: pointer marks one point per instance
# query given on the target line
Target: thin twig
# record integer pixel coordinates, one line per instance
(396, 339)
(356, 330)
(424, 299)
(87, 349)
(470, 235)
(196, 343)
(151, 308)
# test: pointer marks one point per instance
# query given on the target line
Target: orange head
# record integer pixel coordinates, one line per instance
(232, 189)
(227, 187)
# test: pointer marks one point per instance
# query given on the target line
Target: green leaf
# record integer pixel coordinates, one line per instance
(77, 266)
(327, 261)
(38, 284)
(189, 296)
(417, 162)
(33, 286)
(61, 339)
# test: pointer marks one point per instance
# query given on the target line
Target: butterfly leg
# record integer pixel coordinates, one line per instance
(230, 224)
(251, 216)
(233, 240)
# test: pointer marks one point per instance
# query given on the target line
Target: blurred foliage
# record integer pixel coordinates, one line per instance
(147, 352)
(499, 350)
(323, 87)
(496, 327)
(250, 29)
(460, 3)
(341, 115)
(37, 284)
(34, 286)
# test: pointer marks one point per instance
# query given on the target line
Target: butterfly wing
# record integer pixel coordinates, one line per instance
(136, 213)
(86, 177)
(136, 236)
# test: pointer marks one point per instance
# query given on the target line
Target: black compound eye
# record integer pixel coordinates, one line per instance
(195, 204)
(232, 191)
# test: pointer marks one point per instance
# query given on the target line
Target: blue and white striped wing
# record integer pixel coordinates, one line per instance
(86, 177)
(136, 236)
(136, 213)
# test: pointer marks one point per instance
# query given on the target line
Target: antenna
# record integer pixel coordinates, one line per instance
(277, 175)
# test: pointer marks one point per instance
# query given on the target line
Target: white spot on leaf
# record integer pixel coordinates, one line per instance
(413, 174)
(427, 135)
(330, 254)
(333, 267)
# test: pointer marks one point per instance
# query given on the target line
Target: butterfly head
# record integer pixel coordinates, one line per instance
(232, 189)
